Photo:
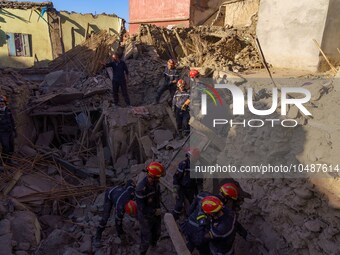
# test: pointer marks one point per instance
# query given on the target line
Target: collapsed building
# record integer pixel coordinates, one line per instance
(72, 143)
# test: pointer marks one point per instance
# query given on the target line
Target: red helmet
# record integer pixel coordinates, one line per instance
(229, 190)
(180, 83)
(211, 204)
(155, 169)
(194, 73)
(131, 208)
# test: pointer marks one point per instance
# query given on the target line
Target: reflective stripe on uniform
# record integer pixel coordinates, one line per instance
(141, 197)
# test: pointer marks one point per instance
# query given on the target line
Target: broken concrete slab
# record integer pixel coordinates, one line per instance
(28, 151)
(56, 243)
(122, 162)
(45, 139)
(147, 144)
(161, 136)
(136, 169)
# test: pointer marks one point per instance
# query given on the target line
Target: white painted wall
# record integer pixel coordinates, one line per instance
(286, 29)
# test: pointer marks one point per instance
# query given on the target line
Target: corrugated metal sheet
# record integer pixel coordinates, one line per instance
(158, 12)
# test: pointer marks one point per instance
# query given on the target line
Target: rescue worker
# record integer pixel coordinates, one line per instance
(185, 187)
(171, 77)
(223, 227)
(148, 198)
(7, 132)
(119, 79)
(122, 199)
(195, 93)
(196, 227)
(180, 104)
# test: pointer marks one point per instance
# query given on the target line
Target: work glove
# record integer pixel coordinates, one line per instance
(158, 212)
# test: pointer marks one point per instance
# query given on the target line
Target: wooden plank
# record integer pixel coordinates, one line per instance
(175, 235)
(324, 55)
(12, 183)
(181, 43)
(101, 160)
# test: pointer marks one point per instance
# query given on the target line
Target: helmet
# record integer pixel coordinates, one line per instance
(155, 169)
(192, 152)
(229, 190)
(180, 83)
(3, 99)
(131, 208)
(211, 204)
(194, 73)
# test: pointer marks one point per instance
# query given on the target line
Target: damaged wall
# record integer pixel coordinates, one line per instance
(24, 22)
(160, 13)
(240, 13)
(75, 25)
(202, 10)
(286, 30)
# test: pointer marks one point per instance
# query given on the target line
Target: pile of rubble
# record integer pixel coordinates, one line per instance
(220, 48)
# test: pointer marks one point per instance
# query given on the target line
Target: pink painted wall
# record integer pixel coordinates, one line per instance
(158, 12)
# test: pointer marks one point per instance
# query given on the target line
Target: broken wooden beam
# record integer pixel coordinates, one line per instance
(176, 236)
(12, 183)
(101, 160)
(324, 55)
(185, 51)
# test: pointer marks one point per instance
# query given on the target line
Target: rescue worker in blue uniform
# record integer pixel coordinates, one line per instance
(122, 199)
(196, 227)
(180, 105)
(171, 77)
(148, 198)
(185, 187)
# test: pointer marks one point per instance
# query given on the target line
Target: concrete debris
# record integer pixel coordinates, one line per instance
(56, 201)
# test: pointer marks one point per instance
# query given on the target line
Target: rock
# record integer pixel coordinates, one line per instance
(136, 169)
(313, 225)
(52, 221)
(52, 170)
(304, 193)
(122, 162)
(5, 227)
(92, 162)
(23, 246)
(117, 240)
(56, 243)
(86, 245)
(71, 251)
(21, 253)
(100, 201)
(28, 151)
(24, 227)
(5, 244)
